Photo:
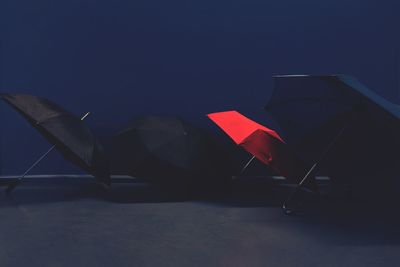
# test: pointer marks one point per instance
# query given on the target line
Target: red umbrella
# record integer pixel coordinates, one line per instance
(237, 126)
(262, 142)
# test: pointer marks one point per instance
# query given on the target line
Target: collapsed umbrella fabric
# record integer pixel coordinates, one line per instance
(69, 135)
(337, 124)
(170, 150)
(263, 143)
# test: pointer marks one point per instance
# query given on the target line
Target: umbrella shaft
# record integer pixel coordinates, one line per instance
(308, 174)
(36, 162)
(247, 164)
(45, 154)
(326, 151)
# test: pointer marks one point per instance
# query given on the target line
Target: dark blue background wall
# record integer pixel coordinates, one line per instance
(123, 58)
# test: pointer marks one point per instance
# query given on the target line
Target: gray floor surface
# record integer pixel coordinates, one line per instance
(60, 222)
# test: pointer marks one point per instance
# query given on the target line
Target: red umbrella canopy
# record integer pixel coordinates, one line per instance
(239, 127)
(262, 142)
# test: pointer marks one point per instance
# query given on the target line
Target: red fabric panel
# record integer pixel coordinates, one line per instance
(276, 154)
(237, 126)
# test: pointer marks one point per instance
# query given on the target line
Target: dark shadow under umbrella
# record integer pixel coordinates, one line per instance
(170, 151)
(68, 134)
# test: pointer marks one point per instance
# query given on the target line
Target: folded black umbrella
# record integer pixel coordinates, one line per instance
(169, 150)
(69, 135)
(337, 124)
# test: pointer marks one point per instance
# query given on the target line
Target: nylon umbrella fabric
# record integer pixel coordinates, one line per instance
(238, 126)
(167, 149)
(71, 137)
(263, 143)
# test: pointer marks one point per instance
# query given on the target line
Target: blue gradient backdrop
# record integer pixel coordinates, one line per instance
(120, 58)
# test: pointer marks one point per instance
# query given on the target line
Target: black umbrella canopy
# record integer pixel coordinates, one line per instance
(168, 149)
(71, 137)
(314, 111)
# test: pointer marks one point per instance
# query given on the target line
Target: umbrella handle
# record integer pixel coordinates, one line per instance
(14, 184)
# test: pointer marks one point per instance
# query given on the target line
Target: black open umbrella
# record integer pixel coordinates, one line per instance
(337, 124)
(69, 135)
(169, 150)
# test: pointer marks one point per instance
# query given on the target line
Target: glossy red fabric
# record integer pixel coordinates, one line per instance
(263, 143)
(237, 126)
(276, 154)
